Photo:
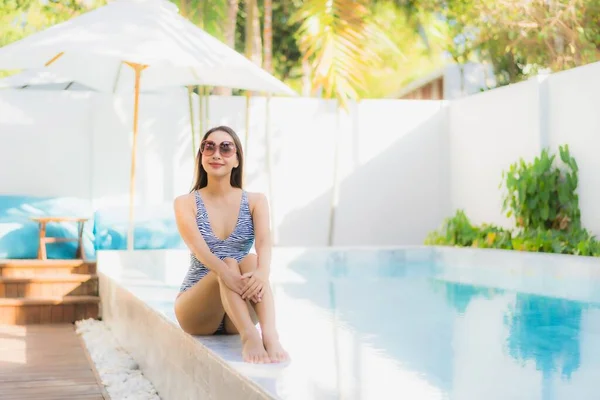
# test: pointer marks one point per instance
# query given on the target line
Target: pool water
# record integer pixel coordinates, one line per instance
(390, 331)
(379, 325)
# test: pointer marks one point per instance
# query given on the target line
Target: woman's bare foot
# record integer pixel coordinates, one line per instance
(253, 350)
(274, 348)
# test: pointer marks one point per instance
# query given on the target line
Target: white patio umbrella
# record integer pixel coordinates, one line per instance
(41, 79)
(130, 43)
(46, 79)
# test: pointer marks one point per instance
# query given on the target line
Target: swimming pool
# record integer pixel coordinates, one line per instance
(419, 323)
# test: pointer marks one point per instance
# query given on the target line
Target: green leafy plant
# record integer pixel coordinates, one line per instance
(542, 198)
(455, 231)
(542, 194)
(459, 231)
(493, 237)
(576, 242)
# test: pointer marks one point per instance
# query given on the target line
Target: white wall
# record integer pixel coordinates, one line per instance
(403, 165)
(399, 186)
(45, 143)
(373, 175)
(491, 130)
(573, 119)
(488, 132)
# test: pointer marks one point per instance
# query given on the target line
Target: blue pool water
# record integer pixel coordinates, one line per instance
(372, 325)
(403, 330)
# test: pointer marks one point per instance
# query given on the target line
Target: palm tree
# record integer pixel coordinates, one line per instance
(233, 7)
(336, 36)
(253, 41)
(268, 36)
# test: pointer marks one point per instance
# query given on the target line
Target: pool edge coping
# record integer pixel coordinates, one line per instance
(199, 352)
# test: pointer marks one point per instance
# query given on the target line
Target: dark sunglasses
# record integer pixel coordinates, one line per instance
(226, 148)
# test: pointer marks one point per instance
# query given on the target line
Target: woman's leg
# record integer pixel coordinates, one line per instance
(237, 311)
(265, 310)
(199, 309)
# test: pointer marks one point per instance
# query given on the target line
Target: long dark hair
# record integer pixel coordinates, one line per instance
(201, 178)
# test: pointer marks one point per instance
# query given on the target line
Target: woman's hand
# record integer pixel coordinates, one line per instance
(233, 281)
(255, 285)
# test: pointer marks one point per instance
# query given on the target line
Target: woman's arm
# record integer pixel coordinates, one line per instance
(262, 232)
(188, 229)
(256, 281)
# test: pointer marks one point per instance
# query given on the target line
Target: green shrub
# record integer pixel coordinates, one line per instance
(576, 241)
(542, 198)
(456, 231)
(542, 194)
(459, 231)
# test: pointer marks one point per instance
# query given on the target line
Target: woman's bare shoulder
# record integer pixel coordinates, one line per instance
(184, 202)
(256, 196)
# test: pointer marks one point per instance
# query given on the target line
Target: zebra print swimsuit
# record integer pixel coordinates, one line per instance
(236, 246)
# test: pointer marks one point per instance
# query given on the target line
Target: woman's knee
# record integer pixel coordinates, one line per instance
(249, 263)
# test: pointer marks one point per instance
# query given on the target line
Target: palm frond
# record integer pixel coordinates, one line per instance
(209, 15)
(334, 35)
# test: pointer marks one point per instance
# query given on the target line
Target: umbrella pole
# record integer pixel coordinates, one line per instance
(191, 105)
(206, 107)
(137, 68)
(269, 150)
(200, 108)
(247, 133)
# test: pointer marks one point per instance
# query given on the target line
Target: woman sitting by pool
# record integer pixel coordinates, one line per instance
(226, 289)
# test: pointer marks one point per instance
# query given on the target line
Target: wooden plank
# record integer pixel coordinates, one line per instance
(50, 300)
(59, 219)
(30, 262)
(76, 373)
(48, 285)
(28, 267)
(47, 313)
(48, 278)
(46, 362)
(50, 240)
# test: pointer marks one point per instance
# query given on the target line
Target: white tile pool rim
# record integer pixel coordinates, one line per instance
(181, 367)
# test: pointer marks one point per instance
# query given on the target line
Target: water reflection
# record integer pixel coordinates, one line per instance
(389, 319)
(459, 295)
(458, 341)
(546, 330)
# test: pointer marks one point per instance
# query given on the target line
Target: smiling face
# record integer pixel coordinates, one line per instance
(220, 155)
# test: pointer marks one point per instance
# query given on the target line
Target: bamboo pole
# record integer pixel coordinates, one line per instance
(269, 151)
(191, 106)
(202, 128)
(137, 68)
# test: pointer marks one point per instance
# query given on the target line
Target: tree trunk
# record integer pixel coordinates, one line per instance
(201, 8)
(232, 12)
(268, 36)
(256, 50)
(253, 35)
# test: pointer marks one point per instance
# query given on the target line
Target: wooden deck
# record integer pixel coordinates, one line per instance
(46, 362)
(47, 291)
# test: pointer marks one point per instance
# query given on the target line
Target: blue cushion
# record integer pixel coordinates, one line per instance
(19, 235)
(155, 228)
